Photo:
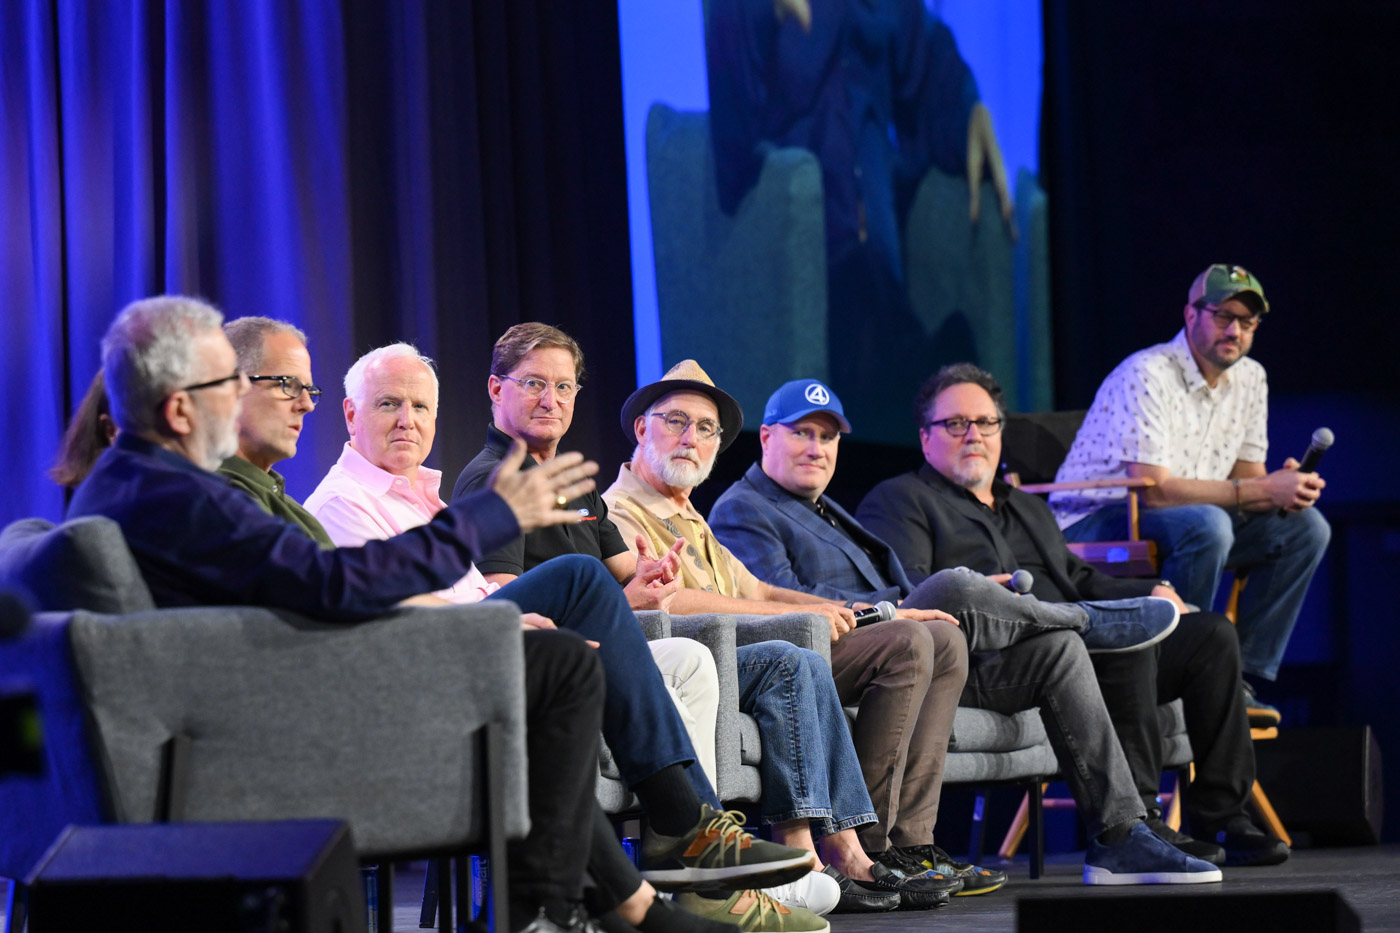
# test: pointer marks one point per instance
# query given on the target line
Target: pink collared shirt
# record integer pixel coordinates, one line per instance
(359, 502)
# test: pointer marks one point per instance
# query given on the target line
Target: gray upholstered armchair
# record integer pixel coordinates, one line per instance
(410, 727)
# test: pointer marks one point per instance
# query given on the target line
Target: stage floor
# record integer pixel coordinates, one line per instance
(1368, 877)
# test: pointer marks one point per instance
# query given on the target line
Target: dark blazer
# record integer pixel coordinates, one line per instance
(785, 543)
(933, 524)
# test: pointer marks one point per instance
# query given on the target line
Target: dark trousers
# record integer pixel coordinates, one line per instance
(563, 711)
(1199, 663)
(640, 720)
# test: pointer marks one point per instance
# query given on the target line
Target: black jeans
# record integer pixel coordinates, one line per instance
(564, 690)
(1200, 664)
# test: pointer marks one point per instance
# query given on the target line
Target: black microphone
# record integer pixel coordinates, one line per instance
(1021, 582)
(1322, 438)
(882, 611)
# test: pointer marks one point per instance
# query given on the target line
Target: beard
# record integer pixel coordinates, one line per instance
(971, 474)
(674, 472)
(1202, 341)
(221, 441)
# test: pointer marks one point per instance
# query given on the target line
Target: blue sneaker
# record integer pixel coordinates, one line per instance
(1143, 858)
(1117, 626)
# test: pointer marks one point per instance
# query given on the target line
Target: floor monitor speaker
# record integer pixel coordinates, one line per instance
(293, 876)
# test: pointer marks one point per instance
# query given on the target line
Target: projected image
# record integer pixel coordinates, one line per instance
(840, 197)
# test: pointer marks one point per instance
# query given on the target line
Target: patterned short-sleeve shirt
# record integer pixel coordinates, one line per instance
(1157, 408)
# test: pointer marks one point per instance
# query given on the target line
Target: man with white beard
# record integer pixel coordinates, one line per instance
(813, 786)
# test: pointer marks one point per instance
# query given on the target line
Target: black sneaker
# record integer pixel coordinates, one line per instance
(717, 855)
(1261, 715)
(859, 898)
(975, 879)
(919, 888)
(1197, 848)
(1246, 844)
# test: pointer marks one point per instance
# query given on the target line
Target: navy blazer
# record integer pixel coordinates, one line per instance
(933, 524)
(785, 543)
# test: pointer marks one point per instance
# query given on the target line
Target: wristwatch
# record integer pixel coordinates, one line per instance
(1167, 584)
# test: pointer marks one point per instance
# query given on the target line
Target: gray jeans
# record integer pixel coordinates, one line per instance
(1028, 653)
(992, 617)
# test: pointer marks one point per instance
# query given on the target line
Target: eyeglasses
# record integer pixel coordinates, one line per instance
(958, 427)
(1223, 319)
(292, 387)
(677, 421)
(213, 382)
(534, 388)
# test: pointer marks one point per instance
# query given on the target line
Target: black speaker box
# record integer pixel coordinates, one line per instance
(1314, 911)
(1325, 783)
(295, 876)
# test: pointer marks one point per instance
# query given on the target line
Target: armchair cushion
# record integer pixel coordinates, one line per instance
(81, 564)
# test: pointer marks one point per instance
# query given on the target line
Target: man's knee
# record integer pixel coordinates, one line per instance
(684, 661)
(1308, 531)
(567, 658)
(951, 589)
(1196, 528)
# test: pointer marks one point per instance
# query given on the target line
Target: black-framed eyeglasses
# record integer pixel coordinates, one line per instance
(292, 387)
(212, 382)
(677, 421)
(534, 388)
(1223, 319)
(958, 427)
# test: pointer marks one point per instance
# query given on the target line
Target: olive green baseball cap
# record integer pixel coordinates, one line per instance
(1221, 282)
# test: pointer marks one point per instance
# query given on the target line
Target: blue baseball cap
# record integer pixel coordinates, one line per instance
(797, 399)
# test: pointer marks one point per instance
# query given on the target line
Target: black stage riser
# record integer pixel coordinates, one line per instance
(1214, 909)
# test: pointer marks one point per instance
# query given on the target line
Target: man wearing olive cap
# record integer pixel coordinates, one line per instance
(1192, 415)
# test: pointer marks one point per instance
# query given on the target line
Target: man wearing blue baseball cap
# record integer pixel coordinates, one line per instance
(906, 673)
(1192, 415)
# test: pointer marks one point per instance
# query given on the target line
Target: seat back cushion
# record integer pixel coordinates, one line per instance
(82, 564)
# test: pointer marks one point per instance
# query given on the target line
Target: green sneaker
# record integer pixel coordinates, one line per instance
(975, 879)
(753, 910)
(717, 855)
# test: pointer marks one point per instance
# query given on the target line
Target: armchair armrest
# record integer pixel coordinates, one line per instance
(716, 632)
(1122, 482)
(655, 624)
(1132, 484)
(803, 629)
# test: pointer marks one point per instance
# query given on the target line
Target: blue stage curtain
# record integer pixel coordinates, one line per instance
(370, 171)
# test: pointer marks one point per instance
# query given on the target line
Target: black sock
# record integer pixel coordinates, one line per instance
(670, 801)
(1116, 834)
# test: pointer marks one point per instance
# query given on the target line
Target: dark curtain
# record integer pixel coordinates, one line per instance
(1255, 132)
(432, 172)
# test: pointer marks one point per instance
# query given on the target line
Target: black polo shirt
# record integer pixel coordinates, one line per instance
(595, 535)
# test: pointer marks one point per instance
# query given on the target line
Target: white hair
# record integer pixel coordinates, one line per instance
(148, 353)
(355, 377)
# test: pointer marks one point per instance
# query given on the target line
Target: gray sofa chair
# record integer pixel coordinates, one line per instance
(738, 749)
(410, 728)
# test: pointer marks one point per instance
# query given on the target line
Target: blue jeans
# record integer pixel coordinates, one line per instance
(640, 722)
(1197, 542)
(809, 766)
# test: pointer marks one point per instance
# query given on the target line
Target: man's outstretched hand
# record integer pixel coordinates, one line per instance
(536, 496)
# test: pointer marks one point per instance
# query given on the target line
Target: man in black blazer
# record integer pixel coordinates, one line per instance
(954, 511)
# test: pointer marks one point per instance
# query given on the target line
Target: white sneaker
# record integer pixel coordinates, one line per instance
(815, 891)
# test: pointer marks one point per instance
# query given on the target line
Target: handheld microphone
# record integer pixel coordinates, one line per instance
(1021, 582)
(1322, 439)
(882, 611)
